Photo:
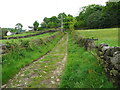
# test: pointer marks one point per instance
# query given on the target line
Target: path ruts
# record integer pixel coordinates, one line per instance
(45, 72)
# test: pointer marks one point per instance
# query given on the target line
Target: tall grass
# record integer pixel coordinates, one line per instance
(25, 54)
(108, 36)
(82, 70)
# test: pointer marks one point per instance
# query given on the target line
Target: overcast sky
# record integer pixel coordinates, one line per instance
(27, 11)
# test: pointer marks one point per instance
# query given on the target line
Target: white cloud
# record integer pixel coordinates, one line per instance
(27, 11)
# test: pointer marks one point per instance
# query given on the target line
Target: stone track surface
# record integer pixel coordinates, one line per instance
(45, 72)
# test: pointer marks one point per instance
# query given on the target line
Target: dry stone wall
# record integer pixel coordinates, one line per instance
(109, 58)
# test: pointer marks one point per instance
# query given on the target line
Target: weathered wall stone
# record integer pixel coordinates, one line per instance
(116, 61)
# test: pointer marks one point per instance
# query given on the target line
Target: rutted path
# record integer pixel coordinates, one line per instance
(44, 73)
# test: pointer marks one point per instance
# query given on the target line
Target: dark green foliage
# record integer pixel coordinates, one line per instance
(52, 22)
(19, 26)
(80, 24)
(97, 16)
(112, 14)
(3, 31)
(91, 16)
(84, 15)
(35, 24)
(55, 22)
(95, 20)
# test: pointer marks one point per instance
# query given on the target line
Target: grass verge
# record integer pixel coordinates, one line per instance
(83, 70)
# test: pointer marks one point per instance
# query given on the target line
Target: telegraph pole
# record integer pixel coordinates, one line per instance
(61, 23)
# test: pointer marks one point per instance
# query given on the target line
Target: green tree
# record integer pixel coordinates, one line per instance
(85, 13)
(35, 24)
(45, 22)
(109, 16)
(51, 22)
(43, 25)
(112, 14)
(63, 15)
(3, 32)
(95, 20)
(19, 26)
(69, 22)
(54, 21)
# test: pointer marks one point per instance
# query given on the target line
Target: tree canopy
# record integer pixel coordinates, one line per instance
(91, 16)
(19, 26)
(97, 16)
(35, 24)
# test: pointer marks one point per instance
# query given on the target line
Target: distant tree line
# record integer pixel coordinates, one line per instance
(91, 16)
(55, 21)
(97, 16)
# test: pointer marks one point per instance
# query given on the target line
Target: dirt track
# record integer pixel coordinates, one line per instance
(45, 72)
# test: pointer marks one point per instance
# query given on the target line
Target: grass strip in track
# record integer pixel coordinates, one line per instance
(82, 70)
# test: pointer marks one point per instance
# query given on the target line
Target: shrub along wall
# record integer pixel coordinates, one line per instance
(109, 57)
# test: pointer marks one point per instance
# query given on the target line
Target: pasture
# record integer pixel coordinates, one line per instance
(108, 36)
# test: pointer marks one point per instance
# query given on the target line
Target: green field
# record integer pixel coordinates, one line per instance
(108, 36)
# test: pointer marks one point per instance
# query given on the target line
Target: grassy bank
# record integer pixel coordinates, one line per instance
(24, 39)
(25, 53)
(23, 34)
(82, 70)
(108, 36)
